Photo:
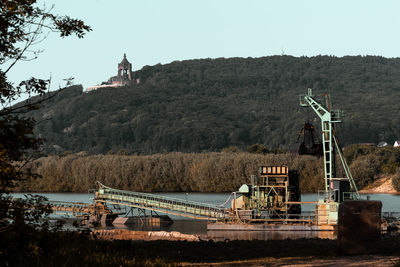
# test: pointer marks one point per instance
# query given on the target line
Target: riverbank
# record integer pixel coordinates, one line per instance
(382, 185)
(81, 249)
(123, 234)
(302, 252)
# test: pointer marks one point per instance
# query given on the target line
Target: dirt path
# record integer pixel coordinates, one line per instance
(363, 260)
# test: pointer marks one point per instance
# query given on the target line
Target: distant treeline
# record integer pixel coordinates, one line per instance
(172, 172)
(209, 104)
(195, 172)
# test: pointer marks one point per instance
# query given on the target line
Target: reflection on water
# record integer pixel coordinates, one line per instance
(200, 228)
(269, 235)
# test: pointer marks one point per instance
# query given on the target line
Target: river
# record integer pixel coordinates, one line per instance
(389, 203)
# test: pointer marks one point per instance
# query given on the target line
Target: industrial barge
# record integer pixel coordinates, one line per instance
(272, 201)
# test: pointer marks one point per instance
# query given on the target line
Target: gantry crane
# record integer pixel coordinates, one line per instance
(334, 187)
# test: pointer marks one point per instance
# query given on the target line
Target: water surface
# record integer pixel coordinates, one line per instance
(190, 226)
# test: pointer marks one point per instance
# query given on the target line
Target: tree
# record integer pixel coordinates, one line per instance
(257, 148)
(396, 180)
(23, 24)
(231, 149)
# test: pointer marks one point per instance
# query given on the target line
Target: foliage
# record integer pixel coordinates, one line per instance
(22, 25)
(367, 162)
(257, 148)
(16, 139)
(313, 169)
(210, 104)
(396, 180)
(364, 171)
(231, 149)
(172, 172)
(192, 172)
(22, 226)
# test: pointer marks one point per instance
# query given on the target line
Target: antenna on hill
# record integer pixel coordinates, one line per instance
(69, 81)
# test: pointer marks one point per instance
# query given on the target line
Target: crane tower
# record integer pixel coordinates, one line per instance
(335, 188)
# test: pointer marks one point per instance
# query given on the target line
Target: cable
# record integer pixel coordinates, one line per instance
(223, 204)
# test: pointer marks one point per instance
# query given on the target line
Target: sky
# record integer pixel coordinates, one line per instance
(152, 32)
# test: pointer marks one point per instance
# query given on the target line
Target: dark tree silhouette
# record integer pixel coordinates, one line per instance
(23, 24)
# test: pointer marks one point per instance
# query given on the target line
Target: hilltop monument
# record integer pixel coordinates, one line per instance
(124, 77)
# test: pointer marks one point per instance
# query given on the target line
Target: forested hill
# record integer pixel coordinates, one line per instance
(209, 104)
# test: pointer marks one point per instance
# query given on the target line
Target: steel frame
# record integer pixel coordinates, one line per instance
(329, 140)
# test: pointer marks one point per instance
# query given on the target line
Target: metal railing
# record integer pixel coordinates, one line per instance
(350, 196)
(163, 204)
(324, 196)
(303, 218)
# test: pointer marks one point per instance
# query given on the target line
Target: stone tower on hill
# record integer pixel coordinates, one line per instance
(124, 77)
(125, 70)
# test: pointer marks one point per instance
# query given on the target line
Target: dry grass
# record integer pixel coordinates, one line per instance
(172, 172)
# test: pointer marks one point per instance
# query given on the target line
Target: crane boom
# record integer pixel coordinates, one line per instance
(330, 144)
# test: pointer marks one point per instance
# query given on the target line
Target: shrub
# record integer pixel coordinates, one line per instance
(231, 149)
(363, 170)
(389, 168)
(396, 180)
(257, 148)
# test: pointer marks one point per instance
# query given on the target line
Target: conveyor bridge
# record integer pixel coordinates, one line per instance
(157, 203)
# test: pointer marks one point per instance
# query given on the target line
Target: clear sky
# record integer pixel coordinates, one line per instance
(162, 31)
